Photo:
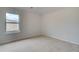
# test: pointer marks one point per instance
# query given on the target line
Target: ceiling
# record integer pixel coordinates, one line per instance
(40, 10)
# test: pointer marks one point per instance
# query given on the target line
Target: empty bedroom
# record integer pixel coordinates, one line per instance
(39, 29)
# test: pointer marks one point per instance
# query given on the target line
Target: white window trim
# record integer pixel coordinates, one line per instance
(14, 31)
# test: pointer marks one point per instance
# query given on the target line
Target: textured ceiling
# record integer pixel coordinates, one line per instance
(40, 10)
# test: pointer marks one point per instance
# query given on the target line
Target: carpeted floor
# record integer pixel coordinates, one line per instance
(39, 44)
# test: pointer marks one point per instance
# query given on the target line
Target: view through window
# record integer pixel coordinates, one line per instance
(12, 22)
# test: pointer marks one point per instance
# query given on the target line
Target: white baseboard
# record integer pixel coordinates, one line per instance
(60, 38)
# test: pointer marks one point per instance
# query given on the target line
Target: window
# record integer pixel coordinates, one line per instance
(12, 22)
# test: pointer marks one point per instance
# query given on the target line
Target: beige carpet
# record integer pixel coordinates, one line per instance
(39, 44)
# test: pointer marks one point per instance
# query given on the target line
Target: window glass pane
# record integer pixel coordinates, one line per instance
(12, 17)
(12, 22)
(12, 27)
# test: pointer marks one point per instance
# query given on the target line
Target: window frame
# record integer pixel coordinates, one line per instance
(14, 31)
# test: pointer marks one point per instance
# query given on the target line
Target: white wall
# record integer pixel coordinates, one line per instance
(29, 25)
(62, 24)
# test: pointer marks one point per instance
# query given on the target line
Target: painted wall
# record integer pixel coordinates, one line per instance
(29, 25)
(62, 24)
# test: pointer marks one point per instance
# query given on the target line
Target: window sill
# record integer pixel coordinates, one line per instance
(12, 32)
